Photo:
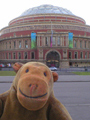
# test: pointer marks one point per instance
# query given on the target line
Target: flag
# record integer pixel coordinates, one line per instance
(33, 40)
(70, 38)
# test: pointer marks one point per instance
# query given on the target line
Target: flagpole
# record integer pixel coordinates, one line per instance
(51, 35)
(51, 25)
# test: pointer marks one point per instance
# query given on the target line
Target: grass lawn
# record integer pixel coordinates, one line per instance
(12, 73)
(7, 73)
(82, 73)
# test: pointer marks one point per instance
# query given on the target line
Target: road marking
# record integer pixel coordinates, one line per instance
(74, 81)
(77, 105)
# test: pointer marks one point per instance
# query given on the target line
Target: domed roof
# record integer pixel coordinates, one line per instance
(45, 9)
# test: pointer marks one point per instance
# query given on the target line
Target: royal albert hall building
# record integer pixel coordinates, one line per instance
(51, 26)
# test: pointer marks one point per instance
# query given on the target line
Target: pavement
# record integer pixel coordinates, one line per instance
(61, 78)
(71, 90)
(74, 78)
(64, 73)
(6, 79)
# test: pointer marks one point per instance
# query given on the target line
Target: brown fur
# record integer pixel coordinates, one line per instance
(31, 95)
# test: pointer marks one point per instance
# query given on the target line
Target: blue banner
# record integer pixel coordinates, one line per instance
(70, 38)
(33, 40)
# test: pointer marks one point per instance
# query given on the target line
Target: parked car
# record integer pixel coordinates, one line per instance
(8, 65)
(2, 65)
(53, 68)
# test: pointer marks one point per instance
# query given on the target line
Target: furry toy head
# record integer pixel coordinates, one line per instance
(34, 84)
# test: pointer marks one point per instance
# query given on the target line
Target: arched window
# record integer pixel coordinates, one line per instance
(10, 44)
(89, 55)
(32, 55)
(75, 55)
(26, 44)
(75, 43)
(80, 44)
(53, 41)
(19, 44)
(6, 57)
(25, 55)
(14, 44)
(14, 55)
(58, 41)
(85, 55)
(19, 55)
(81, 55)
(46, 41)
(85, 44)
(70, 55)
(9, 55)
(89, 44)
(6, 45)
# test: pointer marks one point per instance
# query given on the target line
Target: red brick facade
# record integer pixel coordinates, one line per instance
(20, 29)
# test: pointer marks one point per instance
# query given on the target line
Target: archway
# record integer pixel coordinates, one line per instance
(53, 59)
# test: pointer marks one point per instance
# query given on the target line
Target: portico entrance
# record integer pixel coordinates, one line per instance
(53, 59)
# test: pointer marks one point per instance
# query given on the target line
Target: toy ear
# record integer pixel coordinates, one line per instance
(17, 66)
(55, 76)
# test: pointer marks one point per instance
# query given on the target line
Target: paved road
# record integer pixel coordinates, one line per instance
(62, 78)
(72, 90)
(76, 98)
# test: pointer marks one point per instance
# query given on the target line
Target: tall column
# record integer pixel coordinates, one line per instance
(41, 54)
(67, 43)
(61, 41)
(43, 40)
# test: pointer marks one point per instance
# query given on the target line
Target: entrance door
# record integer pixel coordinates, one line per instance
(53, 59)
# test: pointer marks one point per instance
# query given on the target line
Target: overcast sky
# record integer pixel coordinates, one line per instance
(10, 9)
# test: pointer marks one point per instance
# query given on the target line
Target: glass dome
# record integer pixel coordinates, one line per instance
(45, 9)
